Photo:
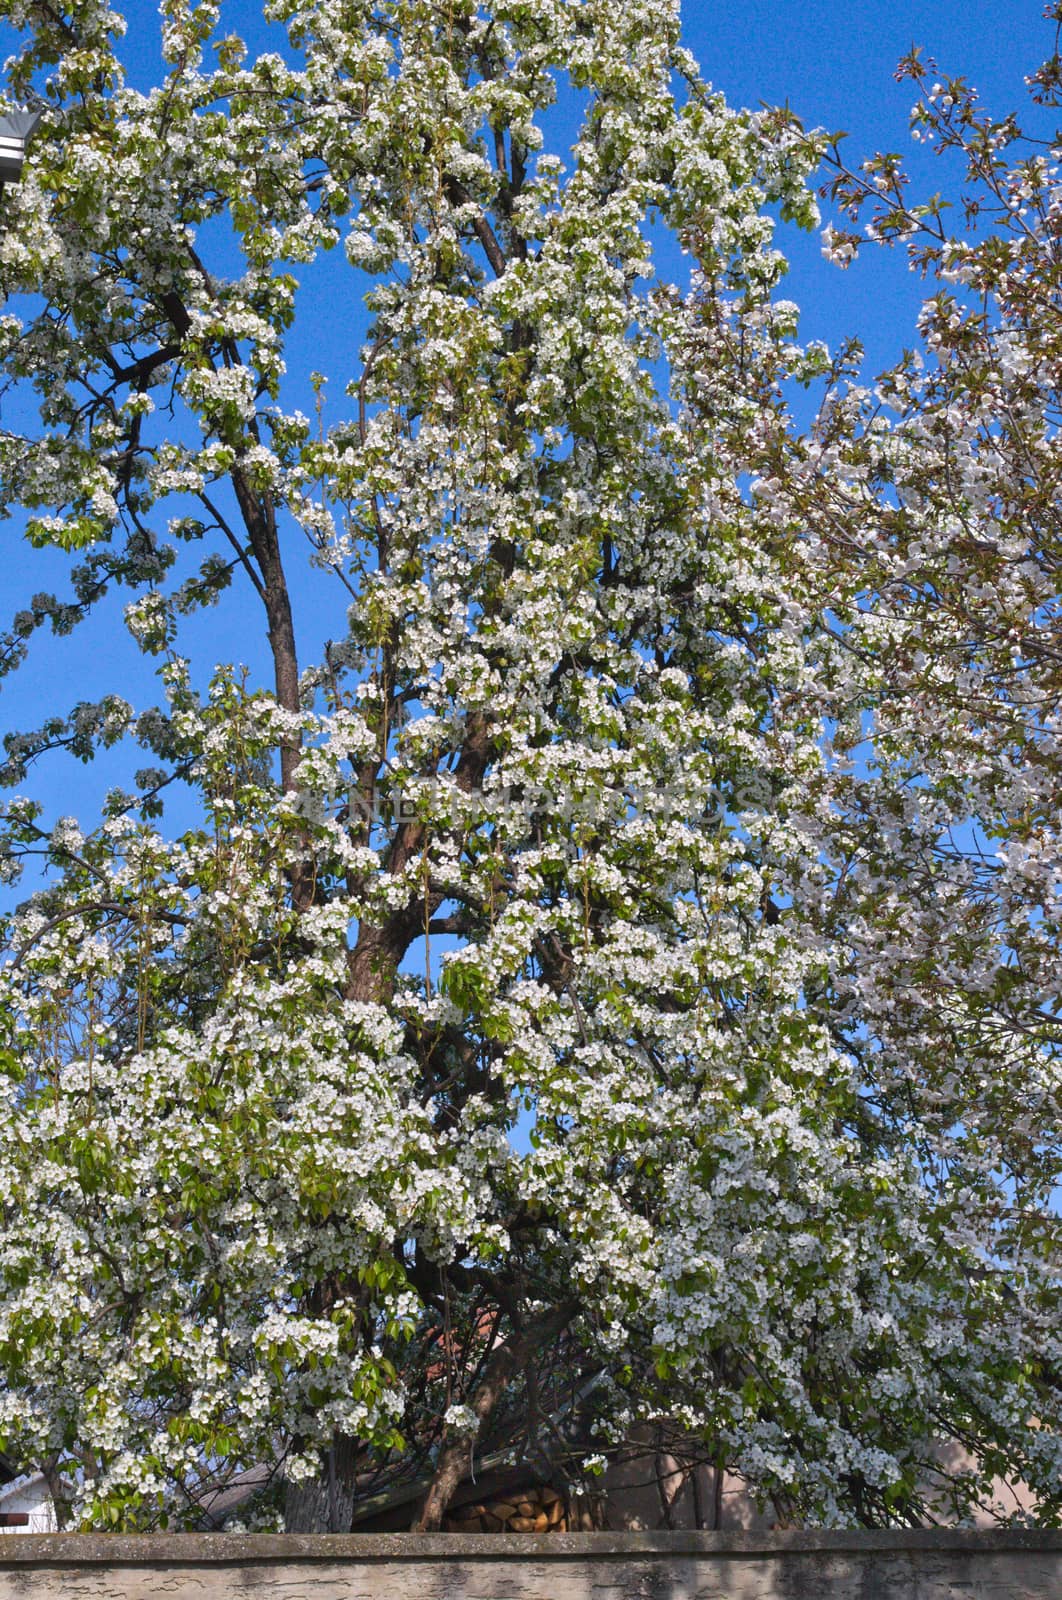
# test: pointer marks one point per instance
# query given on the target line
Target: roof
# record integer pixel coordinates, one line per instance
(221, 1502)
(20, 1485)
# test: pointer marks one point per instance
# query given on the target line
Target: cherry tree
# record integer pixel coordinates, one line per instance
(574, 823)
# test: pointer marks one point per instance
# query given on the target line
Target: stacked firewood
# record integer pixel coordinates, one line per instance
(540, 1510)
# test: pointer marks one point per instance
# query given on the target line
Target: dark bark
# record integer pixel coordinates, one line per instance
(670, 1482)
(259, 518)
(704, 1510)
(325, 1504)
(60, 1490)
(459, 196)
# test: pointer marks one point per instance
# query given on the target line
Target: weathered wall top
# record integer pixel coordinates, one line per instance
(1016, 1564)
(200, 1548)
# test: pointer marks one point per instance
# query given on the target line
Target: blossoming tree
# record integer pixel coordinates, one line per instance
(568, 823)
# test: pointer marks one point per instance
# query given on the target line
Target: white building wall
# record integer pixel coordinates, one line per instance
(31, 1497)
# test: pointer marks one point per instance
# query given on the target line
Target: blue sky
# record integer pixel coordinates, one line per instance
(833, 61)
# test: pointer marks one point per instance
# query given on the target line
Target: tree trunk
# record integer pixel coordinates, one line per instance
(455, 1457)
(60, 1491)
(670, 1483)
(704, 1508)
(324, 1504)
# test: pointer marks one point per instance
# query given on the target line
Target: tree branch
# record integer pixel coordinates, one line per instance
(458, 195)
(455, 1456)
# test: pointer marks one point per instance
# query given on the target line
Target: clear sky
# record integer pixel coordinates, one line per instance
(832, 60)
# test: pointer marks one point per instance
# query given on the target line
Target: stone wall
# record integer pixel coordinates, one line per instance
(934, 1565)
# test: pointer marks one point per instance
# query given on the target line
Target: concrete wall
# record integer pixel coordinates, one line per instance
(936, 1565)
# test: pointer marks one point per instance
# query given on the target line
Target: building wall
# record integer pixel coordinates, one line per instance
(632, 1497)
(632, 1500)
(33, 1498)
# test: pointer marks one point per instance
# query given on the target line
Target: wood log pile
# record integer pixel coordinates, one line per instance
(538, 1510)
